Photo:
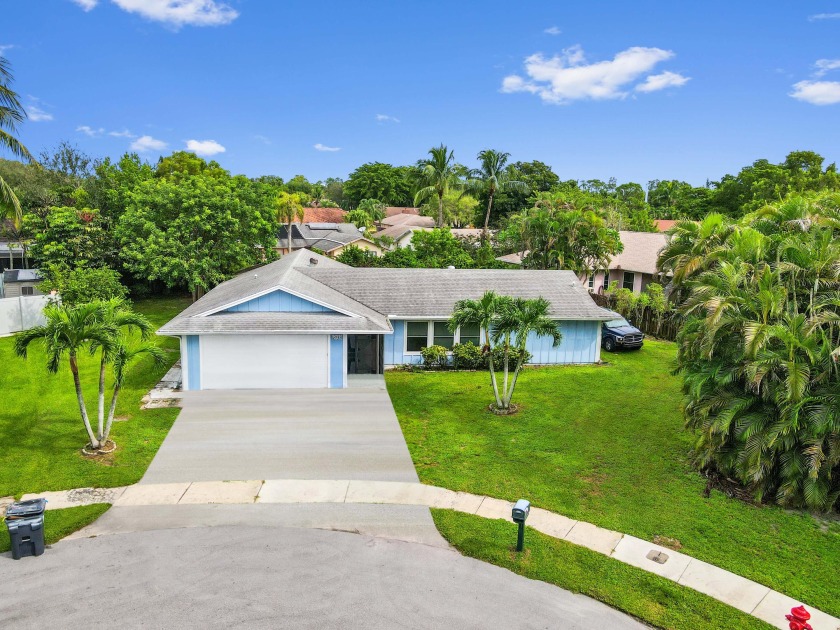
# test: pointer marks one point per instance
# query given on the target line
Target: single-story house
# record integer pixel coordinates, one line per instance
(331, 238)
(408, 220)
(634, 268)
(19, 283)
(12, 255)
(393, 210)
(317, 214)
(403, 234)
(309, 321)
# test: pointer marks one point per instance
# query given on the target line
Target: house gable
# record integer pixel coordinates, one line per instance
(278, 301)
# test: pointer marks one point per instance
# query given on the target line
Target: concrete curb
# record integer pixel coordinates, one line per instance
(736, 591)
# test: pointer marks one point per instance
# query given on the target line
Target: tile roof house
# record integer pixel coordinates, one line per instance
(308, 321)
(408, 220)
(663, 225)
(323, 215)
(394, 210)
(331, 238)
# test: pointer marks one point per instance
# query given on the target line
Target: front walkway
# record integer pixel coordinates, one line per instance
(743, 594)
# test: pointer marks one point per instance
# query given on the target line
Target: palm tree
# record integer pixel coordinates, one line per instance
(289, 209)
(117, 316)
(437, 176)
(482, 313)
(68, 331)
(493, 177)
(519, 318)
(11, 114)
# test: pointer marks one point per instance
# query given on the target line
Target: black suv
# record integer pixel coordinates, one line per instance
(618, 333)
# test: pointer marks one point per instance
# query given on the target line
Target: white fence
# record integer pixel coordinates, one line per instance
(22, 313)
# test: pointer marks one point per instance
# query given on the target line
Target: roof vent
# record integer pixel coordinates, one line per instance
(313, 262)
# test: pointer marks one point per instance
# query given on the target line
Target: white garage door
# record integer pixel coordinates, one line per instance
(264, 361)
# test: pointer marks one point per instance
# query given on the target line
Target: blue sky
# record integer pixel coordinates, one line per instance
(637, 90)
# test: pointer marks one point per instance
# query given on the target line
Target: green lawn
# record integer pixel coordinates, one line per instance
(41, 430)
(60, 523)
(648, 597)
(606, 444)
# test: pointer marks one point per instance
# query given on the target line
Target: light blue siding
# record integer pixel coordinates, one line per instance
(193, 363)
(337, 361)
(579, 345)
(279, 302)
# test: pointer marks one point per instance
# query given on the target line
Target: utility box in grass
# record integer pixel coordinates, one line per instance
(25, 522)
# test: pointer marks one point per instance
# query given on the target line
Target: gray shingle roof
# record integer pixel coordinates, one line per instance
(21, 275)
(323, 236)
(366, 297)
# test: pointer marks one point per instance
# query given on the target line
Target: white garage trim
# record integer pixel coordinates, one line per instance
(264, 361)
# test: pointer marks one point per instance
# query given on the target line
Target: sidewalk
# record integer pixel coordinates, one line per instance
(745, 595)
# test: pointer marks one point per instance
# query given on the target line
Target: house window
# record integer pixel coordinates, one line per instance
(27, 290)
(416, 336)
(470, 332)
(591, 280)
(606, 280)
(629, 280)
(442, 335)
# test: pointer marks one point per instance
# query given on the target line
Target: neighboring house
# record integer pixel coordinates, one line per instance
(390, 211)
(663, 225)
(408, 220)
(19, 283)
(323, 215)
(11, 255)
(308, 321)
(331, 238)
(634, 268)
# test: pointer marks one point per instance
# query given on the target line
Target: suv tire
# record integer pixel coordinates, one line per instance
(609, 344)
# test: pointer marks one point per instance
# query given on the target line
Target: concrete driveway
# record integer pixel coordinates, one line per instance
(284, 434)
(257, 577)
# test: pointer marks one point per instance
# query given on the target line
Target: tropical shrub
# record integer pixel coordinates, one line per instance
(759, 351)
(84, 284)
(467, 356)
(514, 355)
(435, 357)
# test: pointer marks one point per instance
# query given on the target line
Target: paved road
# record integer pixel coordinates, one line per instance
(284, 434)
(259, 577)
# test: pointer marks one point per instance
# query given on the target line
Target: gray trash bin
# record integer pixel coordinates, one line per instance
(25, 522)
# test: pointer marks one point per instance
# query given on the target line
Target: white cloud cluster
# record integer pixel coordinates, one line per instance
(817, 91)
(205, 147)
(37, 114)
(568, 77)
(386, 118)
(323, 147)
(262, 139)
(552, 30)
(175, 13)
(144, 144)
(824, 16)
(90, 131)
(125, 133)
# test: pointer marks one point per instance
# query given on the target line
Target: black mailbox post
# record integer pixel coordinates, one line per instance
(519, 514)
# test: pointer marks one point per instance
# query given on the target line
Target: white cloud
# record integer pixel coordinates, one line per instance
(147, 143)
(90, 131)
(386, 118)
(824, 16)
(262, 139)
(552, 30)
(87, 5)
(36, 114)
(205, 147)
(125, 133)
(826, 65)
(568, 77)
(177, 13)
(657, 82)
(817, 92)
(322, 147)
(4, 48)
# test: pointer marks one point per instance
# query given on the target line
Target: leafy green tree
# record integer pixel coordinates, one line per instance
(110, 188)
(491, 178)
(334, 191)
(536, 175)
(68, 238)
(289, 210)
(392, 185)
(11, 115)
(438, 248)
(374, 208)
(83, 284)
(458, 209)
(355, 256)
(360, 218)
(300, 185)
(437, 177)
(197, 231)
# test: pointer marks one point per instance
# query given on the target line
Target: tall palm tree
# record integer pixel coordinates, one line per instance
(520, 318)
(289, 209)
(493, 177)
(437, 177)
(68, 331)
(11, 114)
(482, 313)
(117, 316)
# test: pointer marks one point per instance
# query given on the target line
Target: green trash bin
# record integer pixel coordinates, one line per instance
(25, 522)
